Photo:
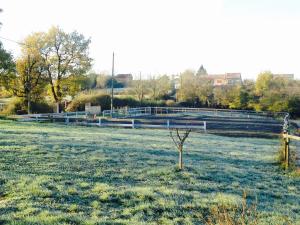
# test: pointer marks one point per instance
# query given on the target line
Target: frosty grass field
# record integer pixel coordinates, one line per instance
(57, 174)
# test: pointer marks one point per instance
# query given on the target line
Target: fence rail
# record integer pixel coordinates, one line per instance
(165, 124)
(83, 118)
(51, 116)
(297, 138)
(144, 111)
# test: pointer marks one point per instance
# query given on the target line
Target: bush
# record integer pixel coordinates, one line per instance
(294, 106)
(15, 105)
(18, 106)
(102, 99)
(41, 107)
(78, 103)
(170, 103)
(128, 101)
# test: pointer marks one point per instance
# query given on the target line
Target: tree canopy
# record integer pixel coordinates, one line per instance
(62, 55)
(7, 66)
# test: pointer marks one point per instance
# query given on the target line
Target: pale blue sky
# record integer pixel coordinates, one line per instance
(169, 36)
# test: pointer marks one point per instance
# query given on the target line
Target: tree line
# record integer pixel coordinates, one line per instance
(55, 64)
(267, 93)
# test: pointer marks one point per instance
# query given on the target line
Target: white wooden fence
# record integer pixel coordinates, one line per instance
(166, 125)
(144, 111)
(83, 118)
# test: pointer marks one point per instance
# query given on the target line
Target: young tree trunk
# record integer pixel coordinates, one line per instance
(180, 162)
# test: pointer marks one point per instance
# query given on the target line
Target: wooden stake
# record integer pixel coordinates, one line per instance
(286, 150)
(287, 153)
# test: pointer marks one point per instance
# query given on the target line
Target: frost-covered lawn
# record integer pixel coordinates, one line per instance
(54, 174)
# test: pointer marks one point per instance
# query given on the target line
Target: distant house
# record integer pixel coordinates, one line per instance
(124, 78)
(284, 76)
(225, 79)
(216, 79)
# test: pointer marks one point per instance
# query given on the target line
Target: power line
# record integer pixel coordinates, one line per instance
(16, 42)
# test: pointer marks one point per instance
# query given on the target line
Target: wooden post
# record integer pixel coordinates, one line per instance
(132, 124)
(286, 144)
(286, 150)
(204, 126)
(67, 120)
(99, 123)
(168, 124)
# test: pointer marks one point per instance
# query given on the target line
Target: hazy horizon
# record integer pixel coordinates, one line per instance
(168, 37)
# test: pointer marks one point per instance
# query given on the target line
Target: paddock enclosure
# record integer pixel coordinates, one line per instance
(215, 121)
(234, 123)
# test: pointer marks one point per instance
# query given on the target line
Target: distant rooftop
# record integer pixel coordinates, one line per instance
(225, 76)
(285, 76)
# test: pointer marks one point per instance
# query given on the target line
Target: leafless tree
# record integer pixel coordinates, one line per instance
(179, 139)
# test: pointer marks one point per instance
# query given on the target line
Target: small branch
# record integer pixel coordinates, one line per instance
(175, 142)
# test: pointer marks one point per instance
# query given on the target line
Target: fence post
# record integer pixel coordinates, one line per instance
(204, 126)
(286, 150)
(99, 123)
(133, 124)
(67, 120)
(168, 124)
(36, 119)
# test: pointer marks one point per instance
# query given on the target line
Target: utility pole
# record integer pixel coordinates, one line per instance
(112, 86)
(142, 89)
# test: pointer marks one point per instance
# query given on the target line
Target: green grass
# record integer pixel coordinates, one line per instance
(54, 174)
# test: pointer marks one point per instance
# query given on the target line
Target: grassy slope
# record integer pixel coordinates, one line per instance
(77, 175)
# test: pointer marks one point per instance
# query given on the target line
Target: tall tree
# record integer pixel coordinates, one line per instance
(188, 87)
(26, 83)
(7, 67)
(139, 88)
(153, 87)
(263, 83)
(205, 91)
(159, 87)
(63, 55)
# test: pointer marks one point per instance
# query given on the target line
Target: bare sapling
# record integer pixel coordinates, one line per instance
(179, 139)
